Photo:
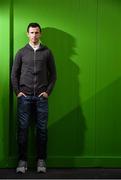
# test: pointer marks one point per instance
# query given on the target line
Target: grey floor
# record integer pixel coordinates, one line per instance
(64, 173)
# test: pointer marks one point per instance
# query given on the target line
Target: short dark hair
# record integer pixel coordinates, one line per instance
(33, 25)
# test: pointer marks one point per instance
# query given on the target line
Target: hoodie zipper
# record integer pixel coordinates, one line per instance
(35, 78)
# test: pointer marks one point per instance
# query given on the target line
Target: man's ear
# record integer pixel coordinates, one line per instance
(27, 34)
(40, 34)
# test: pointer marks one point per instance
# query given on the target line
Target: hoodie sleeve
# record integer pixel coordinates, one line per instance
(51, 73)
(16, 72)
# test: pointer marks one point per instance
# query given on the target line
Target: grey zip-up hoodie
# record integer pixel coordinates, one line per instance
(33, 72)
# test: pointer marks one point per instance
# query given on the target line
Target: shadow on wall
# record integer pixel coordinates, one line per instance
(108, 120)
(66, 120)
(4, 117)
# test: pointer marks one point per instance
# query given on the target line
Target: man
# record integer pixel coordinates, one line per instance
(33, 78)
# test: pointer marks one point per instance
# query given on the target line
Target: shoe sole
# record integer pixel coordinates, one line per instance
(21, 170)
(41, 169)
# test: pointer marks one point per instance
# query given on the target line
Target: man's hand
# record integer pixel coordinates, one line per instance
(44, 94)
(21, 94)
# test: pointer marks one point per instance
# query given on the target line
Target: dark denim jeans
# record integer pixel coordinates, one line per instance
(26, 105)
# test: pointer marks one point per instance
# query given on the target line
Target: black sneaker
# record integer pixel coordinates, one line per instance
(22, 167)
(41, 166)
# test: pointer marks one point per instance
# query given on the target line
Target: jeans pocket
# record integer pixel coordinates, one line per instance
(20, 96)
(42, 98)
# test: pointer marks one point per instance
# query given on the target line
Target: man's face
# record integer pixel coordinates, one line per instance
(34, 35)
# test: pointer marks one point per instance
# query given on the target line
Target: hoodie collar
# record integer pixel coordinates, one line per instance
(41, 46)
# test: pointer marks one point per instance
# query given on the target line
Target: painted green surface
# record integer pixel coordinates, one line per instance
(84, 108)
(4, 82)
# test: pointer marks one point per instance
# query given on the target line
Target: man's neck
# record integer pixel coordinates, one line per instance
(34, 44)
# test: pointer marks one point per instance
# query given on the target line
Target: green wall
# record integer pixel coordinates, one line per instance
(84, 108)
(4, 81)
